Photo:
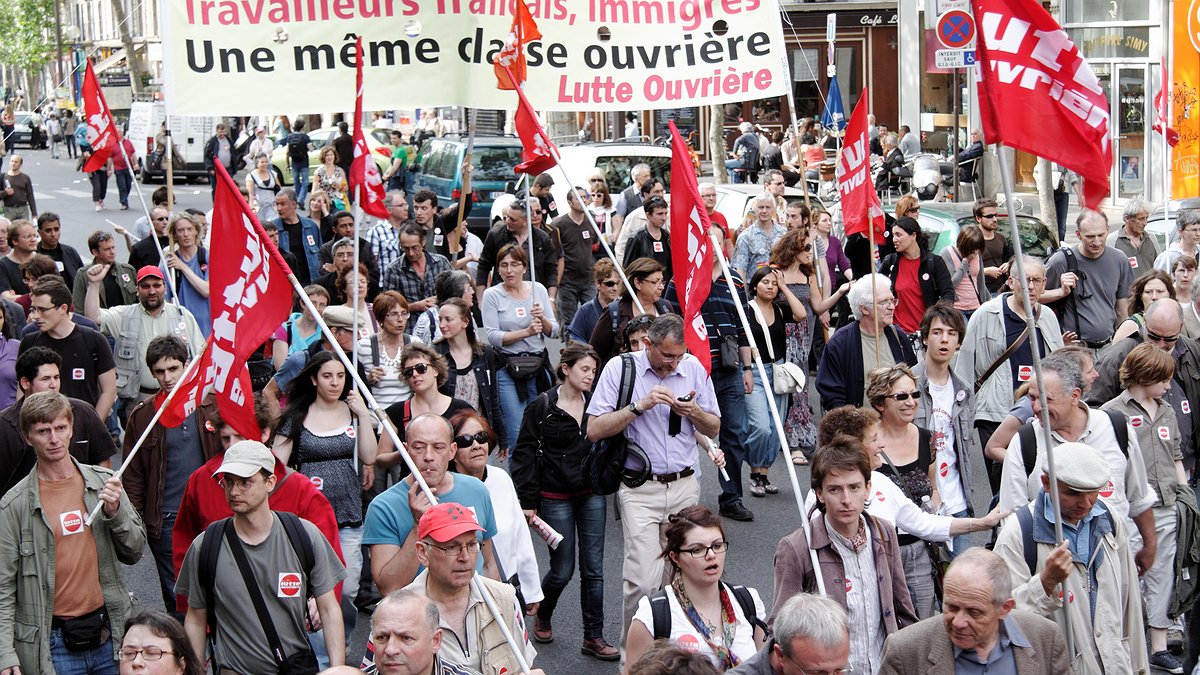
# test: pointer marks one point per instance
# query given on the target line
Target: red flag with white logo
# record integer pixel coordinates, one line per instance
(101, 129)
(536, 153)
(1039, 93)
(860, 204)
(509, 63)
(1161, 103)
(250, 296)
(691, 249)
(366, 185)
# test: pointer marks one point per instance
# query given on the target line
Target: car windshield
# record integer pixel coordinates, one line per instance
(497, 164)
(616, 170)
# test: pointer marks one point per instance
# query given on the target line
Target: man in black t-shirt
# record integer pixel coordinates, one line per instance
(996, 249)
(88, 370)
(145, 252)
(66, 258)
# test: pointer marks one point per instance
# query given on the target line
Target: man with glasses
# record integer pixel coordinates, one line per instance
(516, 230)
(259, 545)
(342, 257)
(997, 357)
(391, 525)
(870, 341)
(811, 636)
(119, 287)
(997, 251)
(575, 233)
(385, 235)
(1092, 279)
(672, 400)
(1131, 239)
(1187, 222)
(144, 252)
(413, 273)
(775, 185)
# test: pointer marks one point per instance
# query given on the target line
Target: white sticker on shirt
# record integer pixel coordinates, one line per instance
(438, 239)
(318, 483)
(350, 432)
(1164, 433)
(78, 374)
(658, 247)
(71, 522)
(587, 234)
(1186, 406)
(1024, 373)
(521, 312)
(311, 241)
(59, 266)
(1133, 262)
(1135, 421)
(290, 585)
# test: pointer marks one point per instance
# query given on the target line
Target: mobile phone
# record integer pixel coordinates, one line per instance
(685, 399)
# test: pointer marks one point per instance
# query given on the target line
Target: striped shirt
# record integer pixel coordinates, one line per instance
(719, 312)
(385, 245)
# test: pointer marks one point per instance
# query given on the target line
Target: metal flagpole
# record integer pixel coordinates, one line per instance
(791, 99)
(358, 212)
(771, 406)
(146, 209)
(1035, 349)
(874, 286)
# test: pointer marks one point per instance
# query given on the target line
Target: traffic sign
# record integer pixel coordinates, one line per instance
(954, 58)
(956, 29)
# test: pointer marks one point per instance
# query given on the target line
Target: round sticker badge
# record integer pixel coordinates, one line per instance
(879, 496)
(688, 643)
(1186, 407)
(318, 483)
(1107, 491)
(849, 586)
(521, 312)
(1164, 433)
(944, 470)
(350, 432)
(1135, 421)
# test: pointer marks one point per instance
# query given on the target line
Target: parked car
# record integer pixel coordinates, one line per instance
(438, 167)
(378, 142)
(189, 134)
(733, 201)
(23, 133)
(941, 222)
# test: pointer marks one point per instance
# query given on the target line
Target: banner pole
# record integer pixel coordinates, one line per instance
(169, 158)
(771, 406)
(162, 256)
(462, 196)
(874, 290)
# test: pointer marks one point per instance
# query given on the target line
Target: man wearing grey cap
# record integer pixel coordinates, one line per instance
(1094, 564)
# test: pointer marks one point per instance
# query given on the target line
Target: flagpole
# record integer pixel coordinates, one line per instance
(1044, 417)
(1166, 126)
(771, 406)
(162, 256)
(170, 160)
(187, 372)
(358, 211)
(462, 195)
(874, 289)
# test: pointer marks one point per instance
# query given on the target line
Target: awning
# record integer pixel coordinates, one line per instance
(117, 57)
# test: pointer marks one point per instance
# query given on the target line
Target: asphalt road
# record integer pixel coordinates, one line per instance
(59, 188)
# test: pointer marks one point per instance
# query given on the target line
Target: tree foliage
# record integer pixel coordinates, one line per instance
(27, 27)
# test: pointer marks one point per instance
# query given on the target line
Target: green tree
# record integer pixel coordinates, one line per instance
(27, 27)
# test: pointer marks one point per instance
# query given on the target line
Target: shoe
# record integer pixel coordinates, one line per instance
(756, 487)
(1175, 641)
(124, 207)
(99, 206)
(1166, 662)
(543, 633)
(737, 511)
(766, 484)
(597, 648)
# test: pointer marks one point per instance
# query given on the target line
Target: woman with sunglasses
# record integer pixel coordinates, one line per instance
(704, 611)
(919, 278)
(156, 644)
(646, 276)
(793, 256)
(602, 209)
(426, 371)
(324, 424)
(547, 467)
(472, 366)
(908, 453)
(474, 441)
(518, 316)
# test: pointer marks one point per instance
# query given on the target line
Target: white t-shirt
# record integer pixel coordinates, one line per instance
(941, 426)
(687, 637)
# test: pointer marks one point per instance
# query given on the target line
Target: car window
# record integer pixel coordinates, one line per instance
(496, 164)
(383, 136)
(320, 138)
(442, 161)
(616, 170)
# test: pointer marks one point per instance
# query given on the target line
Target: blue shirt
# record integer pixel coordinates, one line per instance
(1002, 660)
(585, 320)
(189, 297)
(389, 519)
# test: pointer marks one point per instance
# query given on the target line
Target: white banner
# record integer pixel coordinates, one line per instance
(244, 57)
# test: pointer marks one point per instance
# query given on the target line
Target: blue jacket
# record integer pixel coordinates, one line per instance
(312, 244)
(840, 378)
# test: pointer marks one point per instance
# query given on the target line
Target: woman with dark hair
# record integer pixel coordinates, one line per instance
(704, 611)
(547, 468)
(425, 371)
(367, 324)
(471, 367)
(1151, 286)
(330, 179)
(382, 351)
(474, 441)
(919, 278)
(964, 259)
(317, 435)
(156, 644)
(646, 276)
(9, 345)
(447, 284)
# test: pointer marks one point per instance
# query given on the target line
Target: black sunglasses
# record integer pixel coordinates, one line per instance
(421, 368)
(609, 284)
(903, 396)
(1153, 337)
(467, 441)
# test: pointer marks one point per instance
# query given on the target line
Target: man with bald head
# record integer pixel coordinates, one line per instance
(390, 528)
(406, 635)
(1163, 328)
(1092, 279)
(979, 629)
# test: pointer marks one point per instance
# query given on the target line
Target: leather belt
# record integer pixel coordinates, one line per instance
(1098, 345)
(148, 390)
(672, 477)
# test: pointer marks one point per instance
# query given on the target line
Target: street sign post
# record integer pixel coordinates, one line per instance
(956, 29)
(950, 59)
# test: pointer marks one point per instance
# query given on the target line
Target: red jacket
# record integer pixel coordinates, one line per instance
(204, 503)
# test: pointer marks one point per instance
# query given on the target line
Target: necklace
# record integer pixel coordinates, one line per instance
(391, 363)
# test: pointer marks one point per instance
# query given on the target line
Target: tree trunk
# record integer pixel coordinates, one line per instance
(1045, 187)
(716, 142)
(136, 71)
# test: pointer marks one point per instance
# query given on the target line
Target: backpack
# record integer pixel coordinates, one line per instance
(1028, 546)
(210, 550)
(1068, 304)
(297, 144)
(660, 611)
(1029, 440)
(604, 465)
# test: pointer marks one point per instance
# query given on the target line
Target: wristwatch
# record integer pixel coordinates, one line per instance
(634, 409)
(746, 369)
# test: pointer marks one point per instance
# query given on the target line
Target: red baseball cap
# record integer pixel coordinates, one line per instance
(446, 521)
(149, 271)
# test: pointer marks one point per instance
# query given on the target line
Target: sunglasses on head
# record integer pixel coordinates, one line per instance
(421, 368)
(465, 441)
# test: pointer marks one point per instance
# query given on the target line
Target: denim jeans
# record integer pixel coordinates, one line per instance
(161, 548)
(963, 541)
(570, 297)
(731, 401)
(762, 442)
(124, 185)
(300, 181)
(733, 164)
(98, 661)
(350, 539)
(511, 405)
(580, 520)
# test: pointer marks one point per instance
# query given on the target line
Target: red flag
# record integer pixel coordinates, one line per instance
(101, 129)
(366, 185)
(538, 152)
(509, 64)
(691, 250)
(1161, 102)
(860, 204)
(250, 296)
(1040, 94)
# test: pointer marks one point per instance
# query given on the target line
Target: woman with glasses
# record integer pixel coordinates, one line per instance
(426, 371)
(646, 276)
(518, 316)
(704, 611)
(368, 325)
(964, 259)
(323, 427)
(1151, 286)
(602, 209)
(919, 278)
(474, 441)
(471, 366)
(908, 206)
(156, 644)
(793, 255)
(547, 467)
(908, 452)
(381, 352)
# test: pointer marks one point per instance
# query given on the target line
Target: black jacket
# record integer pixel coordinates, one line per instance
(840, 378)
(485, 364)
(550, 451)
(932, 274)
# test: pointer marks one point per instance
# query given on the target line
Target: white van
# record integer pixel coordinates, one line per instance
(189, 133)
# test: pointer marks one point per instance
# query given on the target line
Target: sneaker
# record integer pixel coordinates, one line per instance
(597, 648)
(766, 484)
(756, 486)
(737, 511)
(543, 633)
(1166, 662)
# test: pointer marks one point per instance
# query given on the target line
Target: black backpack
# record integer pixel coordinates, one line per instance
(297, 144)
(660, 611)
(604, 466)
(1029, 439)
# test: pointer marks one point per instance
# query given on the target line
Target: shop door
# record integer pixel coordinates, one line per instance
(1129, 121)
